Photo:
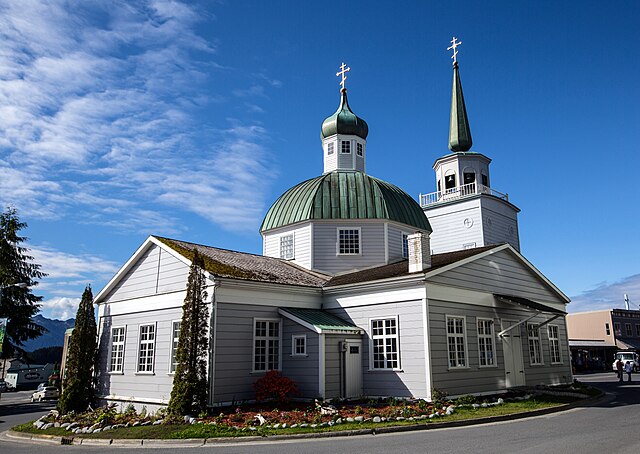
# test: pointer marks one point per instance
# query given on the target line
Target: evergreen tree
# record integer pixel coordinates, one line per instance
(17, 304)
(190, 382)
(78, 385)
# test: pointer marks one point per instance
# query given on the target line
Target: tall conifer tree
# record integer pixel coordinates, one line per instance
(78, 384)
(190, 382)
(17, 304)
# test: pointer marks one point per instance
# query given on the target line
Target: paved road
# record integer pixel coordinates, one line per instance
(609, 426)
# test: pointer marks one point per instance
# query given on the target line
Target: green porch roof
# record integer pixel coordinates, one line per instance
(345, 195)
(321, 320)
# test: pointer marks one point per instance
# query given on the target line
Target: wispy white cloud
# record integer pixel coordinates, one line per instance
(61, 265)
(60, 308)
(100, 105)
(608, 295)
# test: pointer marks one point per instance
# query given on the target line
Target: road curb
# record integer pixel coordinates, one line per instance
(195, 442)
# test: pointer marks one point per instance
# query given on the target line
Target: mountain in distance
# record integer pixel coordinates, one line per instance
(53, 335)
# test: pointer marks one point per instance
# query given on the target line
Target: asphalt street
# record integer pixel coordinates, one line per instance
(607, 426)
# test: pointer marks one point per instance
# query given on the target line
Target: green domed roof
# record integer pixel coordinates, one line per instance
(345, 195)
(344, 121)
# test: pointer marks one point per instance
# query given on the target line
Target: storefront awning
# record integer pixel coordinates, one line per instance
(594, 343)
(628, 344)
(533, 307)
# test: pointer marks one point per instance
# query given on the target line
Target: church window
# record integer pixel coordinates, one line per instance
(554, 344)
(349, 241)
(405, 245)
(117, 350)
(450, 181)
(146, 349)
(628, 330)
(486, 342)
(330, 148)
(299, 345)
(535, 347)
(606, 328)
(266, 345)
(175, 335)
(456, 342)
(359, 149)
(485, 180)
(286, 247)
(346, 146)
(384, 344)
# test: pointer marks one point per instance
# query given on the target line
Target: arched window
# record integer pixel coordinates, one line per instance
(469, 181)
(449, 180)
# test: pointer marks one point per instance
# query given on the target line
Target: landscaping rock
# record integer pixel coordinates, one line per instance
(106, 428)
(276, 426)
(339, 421)
(400, 418)
(484, 405)
(304, 425)
(56, 424)
(253, 428)
(314, 426)
(94, 427)
(450, 410)
(359, 418)
(284, 426)
(350, 419)
(475, 405)
(432, 415)
(261, 419)
(500, 401)
(293, 426)
(47, 426)
(135, 424)
(98, 430)
(64, 425)
(158, 422)
(146, 423)
(377, 419)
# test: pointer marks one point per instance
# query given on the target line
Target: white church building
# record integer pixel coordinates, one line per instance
(360, 291)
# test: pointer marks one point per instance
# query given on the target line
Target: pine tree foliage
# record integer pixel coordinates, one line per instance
(190, 382)
(19, 305)
(78, 385)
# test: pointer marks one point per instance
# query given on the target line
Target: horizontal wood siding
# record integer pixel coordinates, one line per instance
(498, 273)
(157, 271)
(325, 237)
(503, 226)
(410, 380)
(131, 384)
(476, 379)
(395, 242)
(304, 370)
(301, 247)
(333, 365)
(450, 233)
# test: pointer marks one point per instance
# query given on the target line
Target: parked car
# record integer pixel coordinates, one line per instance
(3, 386)
(46, 393)
(624, 357)
(41, 386)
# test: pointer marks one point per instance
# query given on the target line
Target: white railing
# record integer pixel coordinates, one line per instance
(458, 193)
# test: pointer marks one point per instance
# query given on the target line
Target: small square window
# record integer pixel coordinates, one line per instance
(286, 247)
(607, 329)
(330, 148)
(299, 345)
(349, 241)
(359, 149)
(346, 146)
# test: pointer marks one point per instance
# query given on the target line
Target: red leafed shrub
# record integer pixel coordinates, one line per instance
(274, 386)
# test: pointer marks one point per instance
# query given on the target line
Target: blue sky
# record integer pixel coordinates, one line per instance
(188, 119)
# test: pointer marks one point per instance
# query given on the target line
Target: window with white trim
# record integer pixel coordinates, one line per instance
(349, 241)
(299, 345)
(117, 350)
(456, 342)
(345, 146)
(359, 149)
(405, 245)
(175, 336)
(628, 329)
(286, 247)
(486, 342)
(554, 344)
(146, 348)
(330, 148)
(266, 345)
(384, 343)
(535, 347)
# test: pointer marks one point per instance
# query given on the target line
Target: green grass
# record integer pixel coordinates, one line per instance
(180, 431)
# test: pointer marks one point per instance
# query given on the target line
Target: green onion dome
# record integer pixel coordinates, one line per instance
(344, 121)
(345, 195)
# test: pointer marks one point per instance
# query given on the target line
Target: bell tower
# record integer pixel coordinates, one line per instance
(465, 212)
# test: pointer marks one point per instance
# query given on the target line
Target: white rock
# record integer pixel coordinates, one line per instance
(276, 426)
(261, 419)
(64, 425)
(475, 405)
(377, 419)
(106, 428)
(500, 401)
(157, 422)
(400, 418)
(359, 418)
(56, 424)
(432, 415)
(98, 430)
(284, 425)
(304, 425)
(293, 426)
(484, 405)
(314, 425)
(339, 421)
(350, 419)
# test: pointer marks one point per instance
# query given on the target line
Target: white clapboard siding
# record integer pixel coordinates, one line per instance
(301, 369)
(450, 231)
(301, 247)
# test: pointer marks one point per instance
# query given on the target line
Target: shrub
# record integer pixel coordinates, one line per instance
(274, 386)
(466, 400)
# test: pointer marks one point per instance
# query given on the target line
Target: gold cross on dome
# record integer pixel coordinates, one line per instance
(454, 44)
(344, 69)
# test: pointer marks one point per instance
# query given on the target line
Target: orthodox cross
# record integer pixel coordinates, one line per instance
(344, 70)
(454, 44)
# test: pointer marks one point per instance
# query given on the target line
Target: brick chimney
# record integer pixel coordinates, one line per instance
(419, 252)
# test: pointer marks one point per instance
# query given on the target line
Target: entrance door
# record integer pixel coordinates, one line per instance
(353, 368)
(512, 348)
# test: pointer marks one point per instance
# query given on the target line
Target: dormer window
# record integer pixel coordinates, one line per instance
(359, 149)
(330, 148)
(346, 146)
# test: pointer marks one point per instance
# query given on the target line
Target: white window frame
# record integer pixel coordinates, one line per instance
(534, 342)
(359, 149)
(330, 148)
(457, 337)
(487, 337)
(338, 230)
(174, 346)
(294, 349)
(293, 246)
(628, 330)
(113, 344)
(268, 340)
(404, 239)
(384, 337)
(152, 343)
(342, 146)
(554, 344)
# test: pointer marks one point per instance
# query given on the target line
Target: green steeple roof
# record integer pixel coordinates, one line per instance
(459, 132)
(344, 121)
(345, 195)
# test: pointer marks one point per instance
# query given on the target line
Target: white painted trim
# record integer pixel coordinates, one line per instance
(321, 366)
(427, 349)
(554, 363)
(213, 326)
(539, 337)
(314, 328)
(466, 343)
(359, 229)
(397, 336)
(171, 338)
(294, 337)
(386, 242)
(311, 245)
(493, 343)
(293, 245)
(155, 338)
(253, 344)
(124, 349)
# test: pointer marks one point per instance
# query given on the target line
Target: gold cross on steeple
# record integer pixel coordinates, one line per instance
(453, 46)
(344, 69)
